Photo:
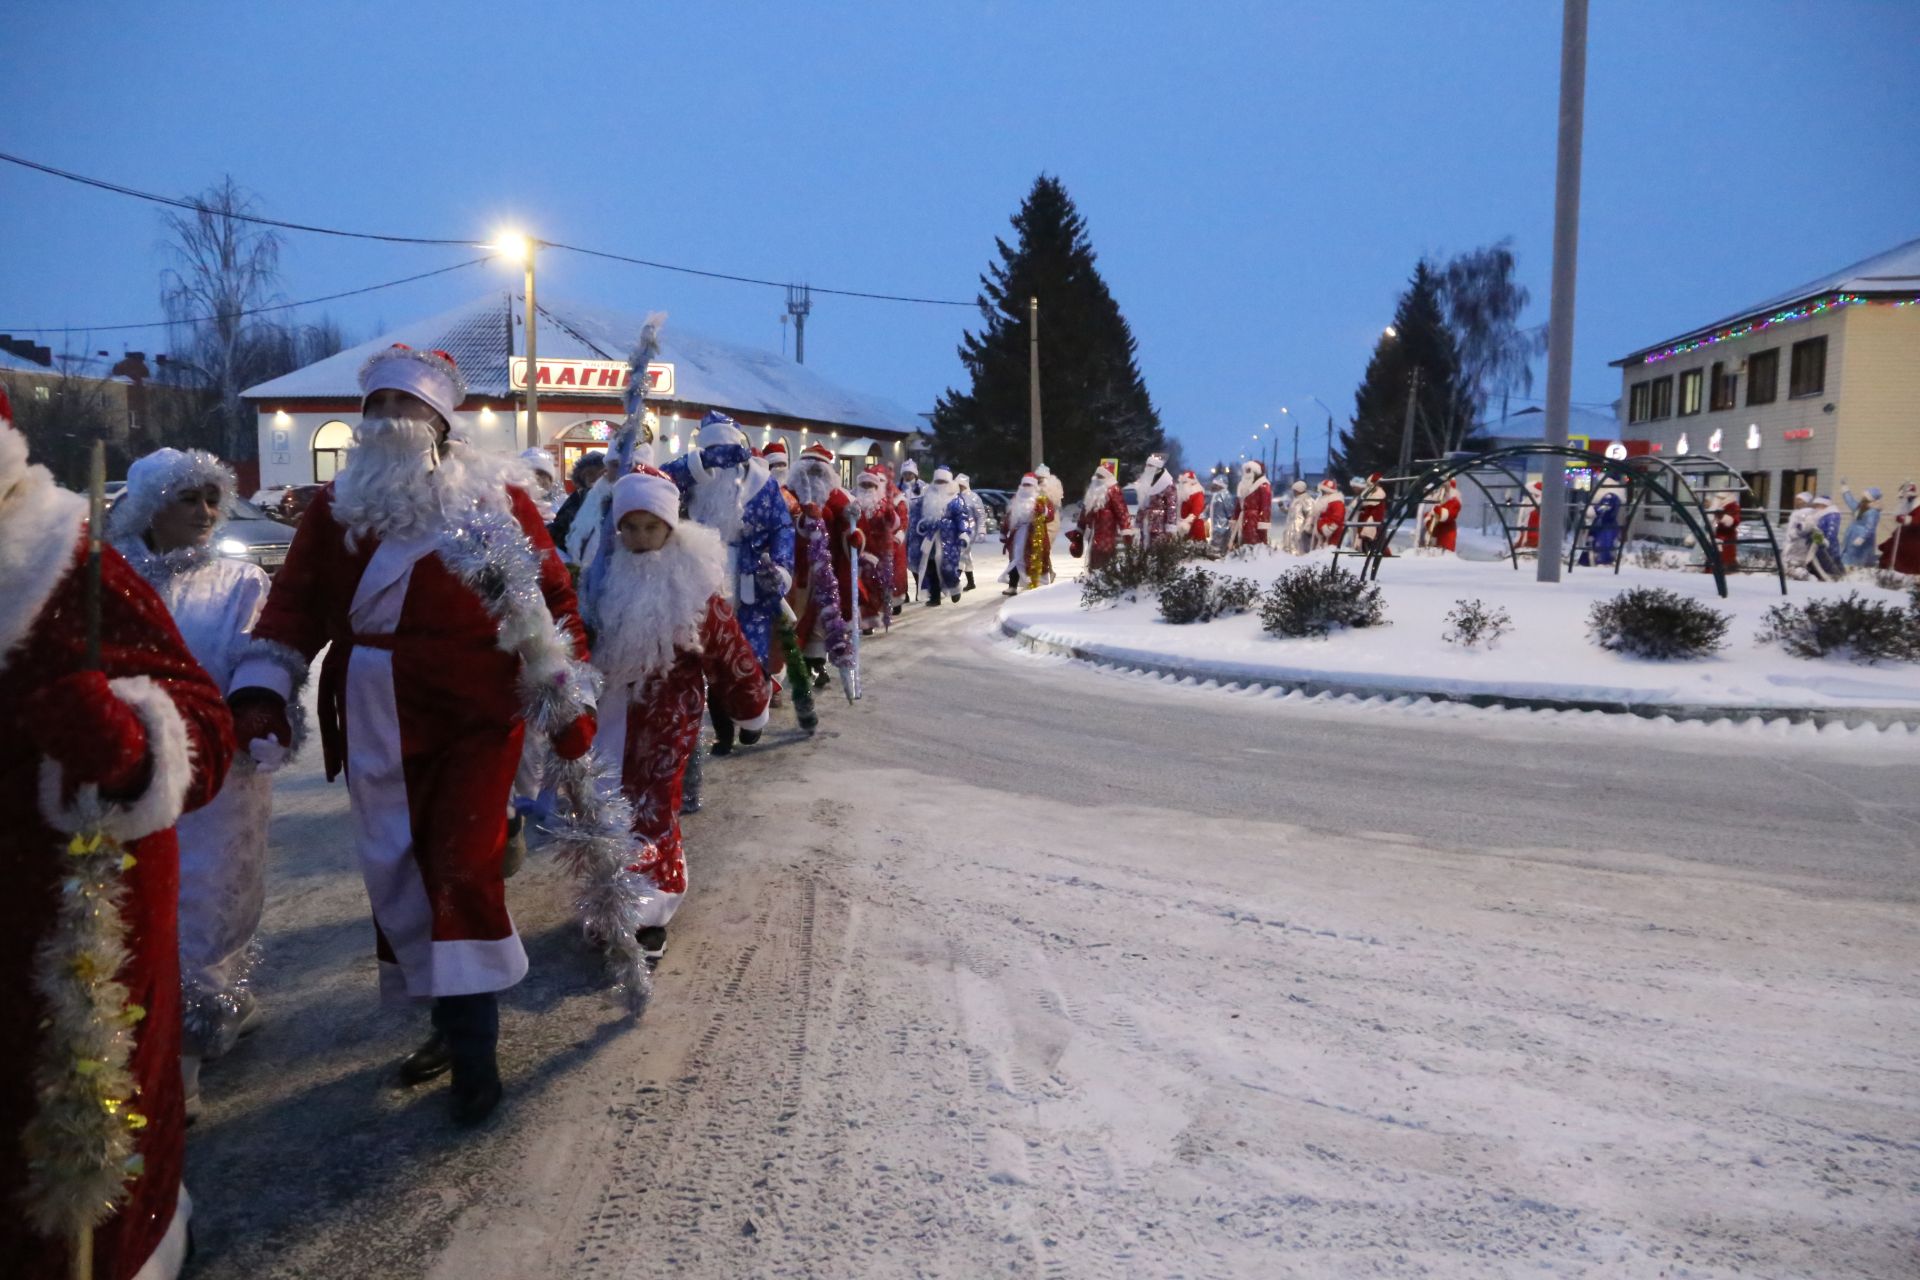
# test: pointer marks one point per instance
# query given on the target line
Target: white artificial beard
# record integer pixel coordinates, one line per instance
(1096, 495)
(1188, 488)
(814, 483)
(935, 497)
(870, 500)
(719, 501)
(1020, 509)
(654, 603)
(388, 487)
(1248, 483)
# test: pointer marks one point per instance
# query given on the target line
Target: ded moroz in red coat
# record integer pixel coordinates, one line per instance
(1443, 522)
(1256, 510)
(1193, 508)
(189, 739)
(667, 633)
(1103, 518)
(421, 706)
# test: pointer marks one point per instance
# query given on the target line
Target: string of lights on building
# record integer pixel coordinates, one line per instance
(1806, 311)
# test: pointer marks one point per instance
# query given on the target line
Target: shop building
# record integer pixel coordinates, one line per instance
(307, 416)
(1798, 391)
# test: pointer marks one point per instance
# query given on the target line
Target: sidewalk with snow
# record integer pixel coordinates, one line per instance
(1545, 657)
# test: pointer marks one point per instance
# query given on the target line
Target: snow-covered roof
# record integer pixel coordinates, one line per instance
(20, 364)
(1531, 424)
(1896, 271)
(482, 335)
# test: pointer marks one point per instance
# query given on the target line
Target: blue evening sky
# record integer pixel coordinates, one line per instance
(1258, 178)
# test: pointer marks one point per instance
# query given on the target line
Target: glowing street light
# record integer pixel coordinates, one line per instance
(1389, 332)
(521, 248)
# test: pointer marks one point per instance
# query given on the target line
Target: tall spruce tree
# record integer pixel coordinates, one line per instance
(1420, 338)
(1093, 401)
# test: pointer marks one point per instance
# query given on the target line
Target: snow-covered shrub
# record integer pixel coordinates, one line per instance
(1888, 580)
(1311, 601)
(1470, 622)
(1647, 555)
(1234, 595)
(1187, 597)
(1194, 595)
(1135, 569)
(1863, 630)
(1653, 622)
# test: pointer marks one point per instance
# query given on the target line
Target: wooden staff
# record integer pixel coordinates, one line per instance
(96, 521)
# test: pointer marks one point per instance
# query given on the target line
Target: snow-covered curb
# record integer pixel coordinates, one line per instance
(1546, 665)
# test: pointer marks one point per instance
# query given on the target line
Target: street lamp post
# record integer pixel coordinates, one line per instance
(1323, 404)
(522, 249)
(1566, 243)
(1033, 381)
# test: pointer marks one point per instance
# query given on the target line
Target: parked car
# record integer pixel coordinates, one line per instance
(251, 534)
(287, 503)
(996, 503)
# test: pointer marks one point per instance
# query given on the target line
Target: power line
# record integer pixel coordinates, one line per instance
(772, 284)
(236, 315)
(196, 207)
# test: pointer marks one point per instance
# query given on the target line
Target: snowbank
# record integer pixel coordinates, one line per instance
(1545, 659)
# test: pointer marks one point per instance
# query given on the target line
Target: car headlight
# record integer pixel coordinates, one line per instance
(230, 547)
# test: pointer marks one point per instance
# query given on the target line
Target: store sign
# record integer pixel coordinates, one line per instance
(1753, 436)
(1714, 440)
(589, 377)
(1798, 433)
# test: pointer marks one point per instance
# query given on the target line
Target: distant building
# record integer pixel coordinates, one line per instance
(1798, 390)
(116, 389)
(307, 416)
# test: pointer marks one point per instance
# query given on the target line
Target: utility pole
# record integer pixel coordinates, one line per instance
(1033, 380)
(1296, 449)
(799, 305)
(1406, 428)
(1566, 244)
(533, 357)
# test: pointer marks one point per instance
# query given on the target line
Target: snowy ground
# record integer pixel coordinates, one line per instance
(1027, 969)
(1546, 655)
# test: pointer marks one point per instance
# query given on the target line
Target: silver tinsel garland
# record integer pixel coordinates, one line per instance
(491, 555)
(79, 1144)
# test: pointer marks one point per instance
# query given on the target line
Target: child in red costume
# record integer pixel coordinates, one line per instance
(667, 632)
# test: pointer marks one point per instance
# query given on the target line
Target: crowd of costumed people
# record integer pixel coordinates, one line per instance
(496, 659)
(486, 660)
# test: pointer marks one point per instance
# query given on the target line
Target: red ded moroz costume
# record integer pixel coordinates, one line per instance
(667, 634)
(420, 698)
(149, 735)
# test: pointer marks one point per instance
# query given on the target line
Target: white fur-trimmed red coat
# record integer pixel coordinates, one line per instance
(43, 587)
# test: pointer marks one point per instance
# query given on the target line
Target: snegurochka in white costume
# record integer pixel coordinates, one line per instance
(165, 525)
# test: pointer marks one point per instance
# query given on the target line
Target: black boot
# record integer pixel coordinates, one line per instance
(471, 1025)
(969, 579)
(653, 943)
(722, 725)
(427, 1062)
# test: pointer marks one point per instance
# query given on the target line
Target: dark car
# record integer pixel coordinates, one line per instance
(251, 534)
(996, 502)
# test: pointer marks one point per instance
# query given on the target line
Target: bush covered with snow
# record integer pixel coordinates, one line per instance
(1195, 595)
(1863, 630)
(1136, 569)
(1472, 622)
(1653, 622)
(1311, 601)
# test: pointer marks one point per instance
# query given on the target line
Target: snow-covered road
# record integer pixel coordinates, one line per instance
(1026, 969)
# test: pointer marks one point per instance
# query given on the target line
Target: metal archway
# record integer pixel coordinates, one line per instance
(1416, 487)
(1384, 544)
(1683, 473)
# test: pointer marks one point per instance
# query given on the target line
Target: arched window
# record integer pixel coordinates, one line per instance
(330, 445)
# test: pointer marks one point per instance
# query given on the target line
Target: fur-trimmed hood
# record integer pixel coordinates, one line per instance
(655, 601)
(40, 530)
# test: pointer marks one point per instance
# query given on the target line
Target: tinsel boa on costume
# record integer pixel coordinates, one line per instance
(490, 554)
(824, 583)
(79, 1144)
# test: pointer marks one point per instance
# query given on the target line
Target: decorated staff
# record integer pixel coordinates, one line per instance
(111, 732)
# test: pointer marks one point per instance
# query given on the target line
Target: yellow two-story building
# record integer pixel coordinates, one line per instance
(1798, 393)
